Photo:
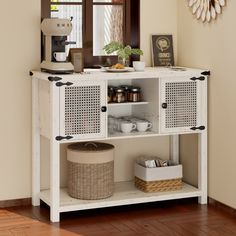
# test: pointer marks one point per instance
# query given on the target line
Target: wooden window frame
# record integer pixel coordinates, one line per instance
(131, 27)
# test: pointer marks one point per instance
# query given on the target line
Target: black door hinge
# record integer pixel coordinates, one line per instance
(59, 84)
(201, 78)
(59, 138)
(54, 78)
(206, 72)
(202, 127)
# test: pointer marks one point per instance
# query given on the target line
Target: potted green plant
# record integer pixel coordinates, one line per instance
(123, 52)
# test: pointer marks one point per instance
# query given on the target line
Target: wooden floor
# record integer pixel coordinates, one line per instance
(163, 218)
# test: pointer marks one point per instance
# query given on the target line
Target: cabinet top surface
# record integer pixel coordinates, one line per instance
(99, 74)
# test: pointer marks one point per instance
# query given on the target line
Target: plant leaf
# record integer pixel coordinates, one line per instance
(112, 47)
(136, 51)
(120, 50)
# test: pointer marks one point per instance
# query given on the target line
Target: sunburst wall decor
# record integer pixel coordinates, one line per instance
(206, 10)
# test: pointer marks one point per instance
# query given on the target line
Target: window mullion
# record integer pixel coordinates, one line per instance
(88, 20)
(88, 32)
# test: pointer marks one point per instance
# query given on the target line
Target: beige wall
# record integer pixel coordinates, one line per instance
(213, 46)
(157, 17)
(20, 50)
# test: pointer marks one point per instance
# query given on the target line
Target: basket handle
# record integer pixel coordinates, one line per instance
(91, 143)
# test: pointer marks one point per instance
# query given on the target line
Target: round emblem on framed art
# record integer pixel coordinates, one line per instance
(206, 10)
(163, 43)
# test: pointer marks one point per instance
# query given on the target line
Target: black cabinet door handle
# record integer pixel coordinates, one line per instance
(103, 109)
(201, 78)
(164, 105)
(202, 127)
(54, 78)
(59, 84)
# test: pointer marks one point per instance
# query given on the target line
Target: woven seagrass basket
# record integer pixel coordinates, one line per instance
(158, 179)
(158, 186)
(90, 170)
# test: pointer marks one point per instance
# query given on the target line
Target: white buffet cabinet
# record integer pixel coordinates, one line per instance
(72, 108)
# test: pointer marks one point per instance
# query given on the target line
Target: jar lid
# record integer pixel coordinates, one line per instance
(90, 146)
(119, 90)
(111, 88)
(126, 87)
(135, 89)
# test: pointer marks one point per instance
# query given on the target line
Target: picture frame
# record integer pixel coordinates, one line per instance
(77, 59)
(162, 50)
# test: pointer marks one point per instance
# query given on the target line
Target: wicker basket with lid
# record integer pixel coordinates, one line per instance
(90, 170)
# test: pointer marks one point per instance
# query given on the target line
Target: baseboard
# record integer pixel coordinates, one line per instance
(15, 202)
(222, 206)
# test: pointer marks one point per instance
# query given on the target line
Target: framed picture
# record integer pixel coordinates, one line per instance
(76, 58)
(162, 50)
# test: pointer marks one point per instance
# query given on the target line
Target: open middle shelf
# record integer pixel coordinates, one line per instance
(127, 104)
(136, 134)
(125, 194)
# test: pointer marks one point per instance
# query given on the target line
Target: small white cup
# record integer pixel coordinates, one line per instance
(143, 126)
(118, 122)
(127, 127)
(111, 124)
(60, 56)
(138, 65)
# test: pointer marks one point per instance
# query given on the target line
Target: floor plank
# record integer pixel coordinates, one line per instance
(171, 218)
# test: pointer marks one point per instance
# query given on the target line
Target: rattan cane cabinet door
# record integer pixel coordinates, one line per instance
(83, 110)
(180, 105)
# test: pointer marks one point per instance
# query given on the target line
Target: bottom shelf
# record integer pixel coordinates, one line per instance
(125, 194)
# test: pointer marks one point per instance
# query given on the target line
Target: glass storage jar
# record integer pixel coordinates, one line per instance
(126, 91)
(135, 94)
(119, 96)
(111, 93)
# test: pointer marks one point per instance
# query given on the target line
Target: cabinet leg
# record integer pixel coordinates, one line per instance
(35, 145)
(54, 181)
(54, 215)
(202, 167)
(54, 155)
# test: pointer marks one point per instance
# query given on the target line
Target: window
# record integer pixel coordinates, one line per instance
(96, 23)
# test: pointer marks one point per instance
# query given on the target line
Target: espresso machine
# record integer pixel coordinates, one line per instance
(55, 33)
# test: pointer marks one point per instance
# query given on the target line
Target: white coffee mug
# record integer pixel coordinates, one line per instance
(138, 65)
(60, 56)
(143, 126)
(127, 127)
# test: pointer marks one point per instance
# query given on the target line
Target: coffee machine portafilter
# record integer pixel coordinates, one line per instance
(55, 40)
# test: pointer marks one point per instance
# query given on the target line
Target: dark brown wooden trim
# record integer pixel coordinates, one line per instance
(134, 27)
(80, 3)
(127, 23)
(66, 3)
(15, 202)
(45, 9)
(221, 206)
(135, 23)
(88, 34)
(107, 3)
